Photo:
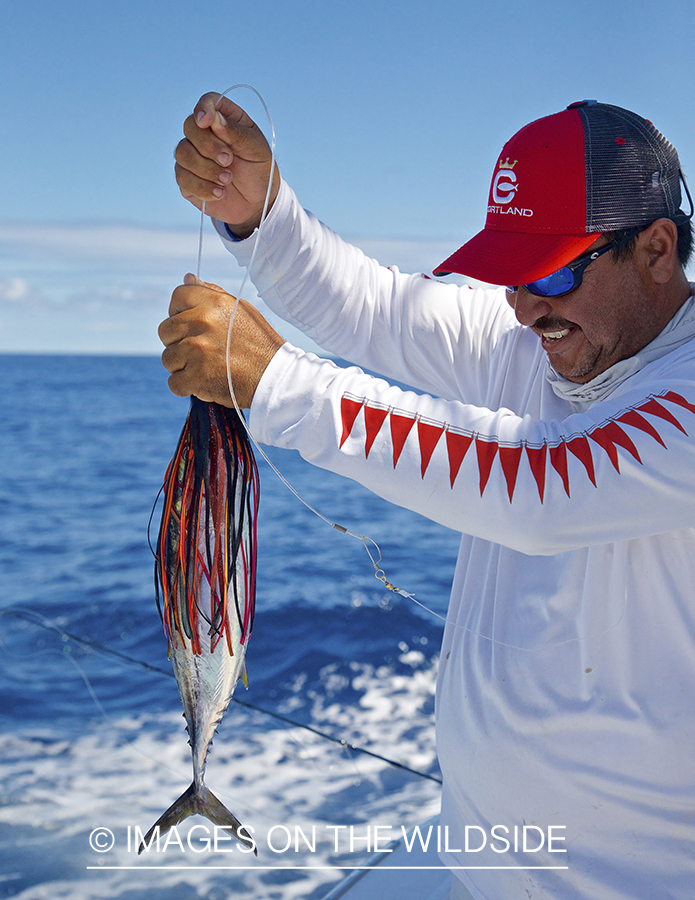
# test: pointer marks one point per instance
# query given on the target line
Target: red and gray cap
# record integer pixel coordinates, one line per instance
(562, 181)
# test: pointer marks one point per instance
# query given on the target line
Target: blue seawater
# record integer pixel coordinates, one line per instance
(88, 736)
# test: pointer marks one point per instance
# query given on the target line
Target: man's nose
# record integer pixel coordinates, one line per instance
(527, 306)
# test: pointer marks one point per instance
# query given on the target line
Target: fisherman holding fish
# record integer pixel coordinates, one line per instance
(556, 434)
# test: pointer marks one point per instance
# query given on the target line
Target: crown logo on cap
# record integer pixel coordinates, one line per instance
(507, 165)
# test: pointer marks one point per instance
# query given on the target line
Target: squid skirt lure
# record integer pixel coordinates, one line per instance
(205, 578)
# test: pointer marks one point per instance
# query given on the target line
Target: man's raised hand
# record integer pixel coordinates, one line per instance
(224, 160)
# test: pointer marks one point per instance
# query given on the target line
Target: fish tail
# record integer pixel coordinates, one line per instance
(197, 800)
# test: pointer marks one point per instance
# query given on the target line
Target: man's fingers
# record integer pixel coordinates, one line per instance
(195, 336)
(186, 324)
(245, 140)
(173, 359)
(185, 361)
(205, 108)
(177, 384)
(188, 157)
(224, 162)
(232, 112)
(180, 384)
(190, 374)
(207, 143)
(197, 189)
(196, 294)
(204, 111)
(218, 137)
(194, 311)
(171, 331)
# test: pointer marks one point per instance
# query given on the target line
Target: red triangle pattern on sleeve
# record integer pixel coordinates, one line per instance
(510, 457)
(579, 446)
(604, 441)
(632, 417)
(349, 410)
(656, 409)
(608, 436)
(558, 460)
(373, 420)
(400, 429)
(428, 436)
(486, 451)
(456, 446)
(681, 401)
(536, 458)
(614, 433)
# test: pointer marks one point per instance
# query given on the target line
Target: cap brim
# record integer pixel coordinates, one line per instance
(504, 257)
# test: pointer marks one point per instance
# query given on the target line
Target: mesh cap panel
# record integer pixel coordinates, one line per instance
(632, 171)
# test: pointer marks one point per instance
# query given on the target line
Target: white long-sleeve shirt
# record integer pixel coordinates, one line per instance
(566, 691)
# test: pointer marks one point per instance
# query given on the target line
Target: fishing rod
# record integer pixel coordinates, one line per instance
(37, 619)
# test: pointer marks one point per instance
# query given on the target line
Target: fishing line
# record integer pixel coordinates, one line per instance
(37, 619)
(366, 540)
(379, 573)
(41, 621)
(29, 615)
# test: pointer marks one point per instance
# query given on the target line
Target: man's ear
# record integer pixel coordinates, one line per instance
(657, 246)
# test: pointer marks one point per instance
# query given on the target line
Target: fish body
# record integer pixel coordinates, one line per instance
(205, 575)
(206, 682)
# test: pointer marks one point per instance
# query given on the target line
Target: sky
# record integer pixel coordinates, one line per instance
(389, 117)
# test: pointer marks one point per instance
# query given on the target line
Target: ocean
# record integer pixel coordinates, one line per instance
(92, 742)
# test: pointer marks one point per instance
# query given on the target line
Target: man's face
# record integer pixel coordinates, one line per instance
(607, 318)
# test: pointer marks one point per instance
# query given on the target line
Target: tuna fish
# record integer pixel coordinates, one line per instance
(205, 578)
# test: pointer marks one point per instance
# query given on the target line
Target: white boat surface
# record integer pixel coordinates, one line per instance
(399, 874)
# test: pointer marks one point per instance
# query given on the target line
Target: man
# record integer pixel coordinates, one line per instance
(556, 435)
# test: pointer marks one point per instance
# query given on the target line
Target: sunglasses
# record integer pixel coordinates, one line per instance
(568, 278)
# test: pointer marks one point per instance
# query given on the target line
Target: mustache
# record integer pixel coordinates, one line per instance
(551, 323)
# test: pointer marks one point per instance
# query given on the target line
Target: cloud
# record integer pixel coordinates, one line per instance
(104, 288)
(123, 247)
(407, 256)
(101, 242)
(16, 290)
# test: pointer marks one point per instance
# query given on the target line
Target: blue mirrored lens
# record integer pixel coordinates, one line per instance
(560, 282)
